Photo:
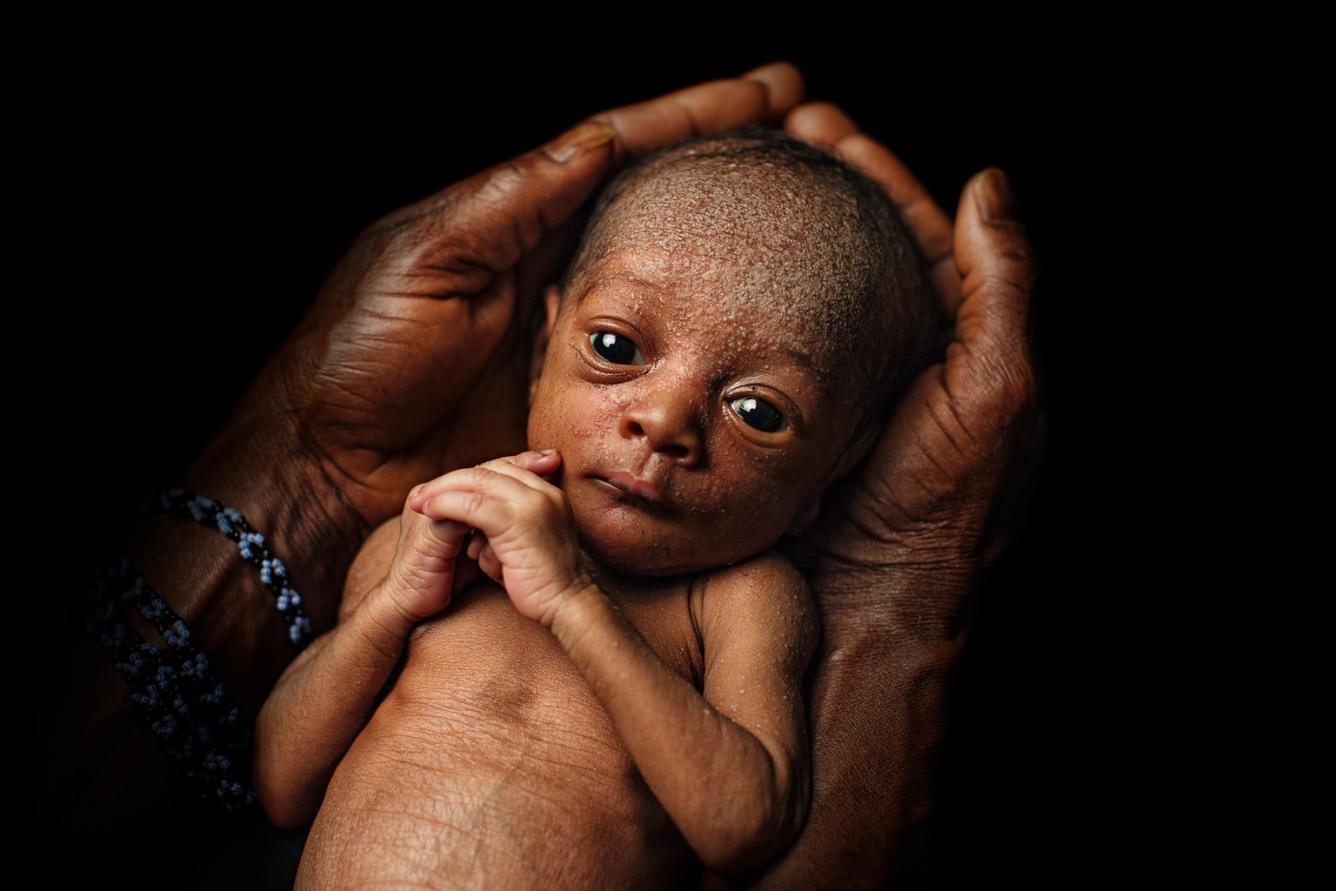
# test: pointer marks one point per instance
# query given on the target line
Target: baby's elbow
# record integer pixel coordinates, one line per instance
(283, 810)
(735, 857)
(747, 845)
(277, 798)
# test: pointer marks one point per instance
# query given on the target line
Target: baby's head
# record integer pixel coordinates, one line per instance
(742, 313)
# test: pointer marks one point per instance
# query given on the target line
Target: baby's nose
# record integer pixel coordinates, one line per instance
(671, 423)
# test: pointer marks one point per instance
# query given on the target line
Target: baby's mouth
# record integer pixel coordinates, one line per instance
(635, 491)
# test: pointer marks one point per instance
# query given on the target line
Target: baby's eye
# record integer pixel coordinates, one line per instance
(616, 348)
(759, 413)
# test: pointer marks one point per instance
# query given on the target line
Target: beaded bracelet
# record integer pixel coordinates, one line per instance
(207, 738)
(185, 706)
(250, 544)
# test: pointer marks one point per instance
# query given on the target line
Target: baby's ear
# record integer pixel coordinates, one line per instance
(551, 303)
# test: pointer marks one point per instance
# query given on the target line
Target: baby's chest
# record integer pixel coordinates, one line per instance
(481, 645)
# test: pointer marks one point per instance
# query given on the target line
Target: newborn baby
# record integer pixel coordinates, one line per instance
(612, 695)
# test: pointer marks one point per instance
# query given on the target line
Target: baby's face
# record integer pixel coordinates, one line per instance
(689, 373)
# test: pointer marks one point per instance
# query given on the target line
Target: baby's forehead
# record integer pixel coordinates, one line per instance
(730, 211)
(745, 232)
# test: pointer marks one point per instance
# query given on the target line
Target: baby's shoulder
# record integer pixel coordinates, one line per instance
(766, 586)
(768, 567)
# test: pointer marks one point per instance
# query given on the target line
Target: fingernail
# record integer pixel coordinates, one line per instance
(994, 193)
(588, 135)
(547, 453)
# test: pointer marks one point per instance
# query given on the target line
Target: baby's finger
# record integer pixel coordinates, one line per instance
(488, 563)
(476, 544)
(487, 500)
(537, 463)
(518, 467)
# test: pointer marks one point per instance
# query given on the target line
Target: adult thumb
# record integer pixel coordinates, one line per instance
(499, 214)
(998, 271)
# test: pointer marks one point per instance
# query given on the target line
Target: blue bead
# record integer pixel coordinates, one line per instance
(178, 634)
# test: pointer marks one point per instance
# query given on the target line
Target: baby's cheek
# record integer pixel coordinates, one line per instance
(758, 490)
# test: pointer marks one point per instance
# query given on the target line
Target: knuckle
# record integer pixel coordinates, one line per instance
(1011, 379)
(553, 503)
(475, 501)
(1002, 282)
(480, 474)
(1018, 394)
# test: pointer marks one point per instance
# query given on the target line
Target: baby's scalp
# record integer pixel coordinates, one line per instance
(798, 240)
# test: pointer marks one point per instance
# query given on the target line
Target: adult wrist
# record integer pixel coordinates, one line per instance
(258, 465)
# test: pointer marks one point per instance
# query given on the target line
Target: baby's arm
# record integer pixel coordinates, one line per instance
(735, 780)
(328, 692)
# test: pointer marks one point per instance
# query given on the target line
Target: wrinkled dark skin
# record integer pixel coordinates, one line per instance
(413, 360)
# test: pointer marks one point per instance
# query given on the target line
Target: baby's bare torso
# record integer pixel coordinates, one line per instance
(491, 764)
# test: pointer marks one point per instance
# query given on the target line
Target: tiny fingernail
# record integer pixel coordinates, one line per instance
(995, 201)
(588, 135)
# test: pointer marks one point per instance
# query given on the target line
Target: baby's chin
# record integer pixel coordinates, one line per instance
(625, 542)
(616, 542)
(631, 541)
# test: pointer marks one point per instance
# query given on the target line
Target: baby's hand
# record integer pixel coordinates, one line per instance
(428, 565)
(531, 540)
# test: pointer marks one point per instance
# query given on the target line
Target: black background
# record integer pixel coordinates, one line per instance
(200, 197)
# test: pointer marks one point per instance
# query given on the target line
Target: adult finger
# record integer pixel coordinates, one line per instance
(998, 272)
(500, 214)
(823, 124)
(1009, 515)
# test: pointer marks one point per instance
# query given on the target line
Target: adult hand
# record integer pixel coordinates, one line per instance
(893, 555)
